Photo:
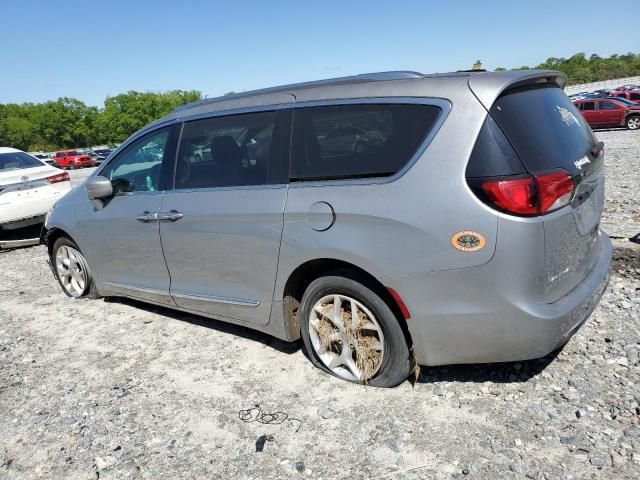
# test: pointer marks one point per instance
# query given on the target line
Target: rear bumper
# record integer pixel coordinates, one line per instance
(471, 315)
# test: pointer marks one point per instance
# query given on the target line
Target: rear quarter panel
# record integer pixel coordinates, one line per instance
(404, 225)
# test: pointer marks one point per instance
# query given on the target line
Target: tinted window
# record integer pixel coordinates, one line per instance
(608, 106)
(137, 167)
(227, 151)
(545, 128)
(493, 155)
(17, 161)
(351, 141)
(634, 96)
(588, 106)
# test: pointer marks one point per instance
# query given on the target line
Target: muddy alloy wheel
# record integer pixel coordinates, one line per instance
(349, 330)
(346, 337)
(633, 123)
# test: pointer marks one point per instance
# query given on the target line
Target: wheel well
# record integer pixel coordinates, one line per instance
(309, 271)
(50, 237)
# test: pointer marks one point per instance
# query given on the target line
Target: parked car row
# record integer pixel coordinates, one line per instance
(610, 112)
(628, 92)
(76, 158)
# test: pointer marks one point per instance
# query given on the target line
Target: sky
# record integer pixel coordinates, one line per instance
(93, 49)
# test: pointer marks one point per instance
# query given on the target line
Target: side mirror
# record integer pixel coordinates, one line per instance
(98, 187)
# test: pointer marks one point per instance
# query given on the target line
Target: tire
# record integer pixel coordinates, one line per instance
(72, 166)
(379, 335)
(633, 122)
(71, 269)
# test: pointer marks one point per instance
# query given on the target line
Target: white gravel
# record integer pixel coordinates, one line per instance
(115, 389)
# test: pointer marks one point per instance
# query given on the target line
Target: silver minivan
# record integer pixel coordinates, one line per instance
(387, 219)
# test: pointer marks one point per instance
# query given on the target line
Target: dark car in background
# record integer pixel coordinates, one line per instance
(608, 112)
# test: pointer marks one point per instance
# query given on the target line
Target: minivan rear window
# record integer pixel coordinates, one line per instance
(545, 128)
(357, 141)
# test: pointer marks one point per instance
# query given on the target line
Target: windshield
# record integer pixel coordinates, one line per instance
(17, 161)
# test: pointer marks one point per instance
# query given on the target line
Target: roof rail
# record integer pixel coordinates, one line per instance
(363, 77)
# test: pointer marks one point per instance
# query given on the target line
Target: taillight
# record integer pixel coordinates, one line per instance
(60, 177)
(526, 195)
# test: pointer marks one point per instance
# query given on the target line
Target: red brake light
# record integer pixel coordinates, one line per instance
(60, 177)
(530, 195)
(514, 196)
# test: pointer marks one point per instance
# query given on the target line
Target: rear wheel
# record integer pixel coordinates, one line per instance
(71, 269)
(350, 332)
(633, 122)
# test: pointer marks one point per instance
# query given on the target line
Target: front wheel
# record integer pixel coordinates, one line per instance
(633, 122)
(71, 269)
(349, 331)
(72, 166)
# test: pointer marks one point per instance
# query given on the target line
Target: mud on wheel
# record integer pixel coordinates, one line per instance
(349, 331)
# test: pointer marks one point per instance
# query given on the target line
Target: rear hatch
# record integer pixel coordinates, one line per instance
(549, 135)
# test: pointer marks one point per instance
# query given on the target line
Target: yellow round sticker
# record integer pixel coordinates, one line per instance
(468, 241)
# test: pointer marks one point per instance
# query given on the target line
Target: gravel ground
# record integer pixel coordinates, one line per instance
(117, 389)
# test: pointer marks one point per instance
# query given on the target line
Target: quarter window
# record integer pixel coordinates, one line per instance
(356, 141)
(137, 167)
(228, 151)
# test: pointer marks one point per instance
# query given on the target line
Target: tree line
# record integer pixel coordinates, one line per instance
(69, 123)
(580, 69)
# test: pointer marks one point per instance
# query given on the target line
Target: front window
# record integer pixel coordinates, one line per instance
(17, 161)
(137, 167)
(226, 151)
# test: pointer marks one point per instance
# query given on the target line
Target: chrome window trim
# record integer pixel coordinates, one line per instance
(218, 299)
(445, 109)
(238, 111)
(229, 188)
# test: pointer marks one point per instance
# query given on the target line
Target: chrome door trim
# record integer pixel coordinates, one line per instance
(151, 291)
(215, 299)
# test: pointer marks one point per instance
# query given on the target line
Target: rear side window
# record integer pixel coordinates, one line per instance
(544, 127)
(588, 106)
(634, 96)
(357, 141)
(230, 151)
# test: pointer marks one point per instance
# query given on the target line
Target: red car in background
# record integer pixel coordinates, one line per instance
(71, 159)
(603, 113)
(633, 95)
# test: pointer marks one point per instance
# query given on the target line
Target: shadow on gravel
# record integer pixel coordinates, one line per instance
(220, 326)
(488, 372)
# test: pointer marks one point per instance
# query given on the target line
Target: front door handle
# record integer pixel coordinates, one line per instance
(147, 216)
(171, 216)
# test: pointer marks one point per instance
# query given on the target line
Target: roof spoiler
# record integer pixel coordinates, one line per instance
(488, 87)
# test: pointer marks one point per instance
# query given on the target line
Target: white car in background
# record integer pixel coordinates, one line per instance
(28, 188)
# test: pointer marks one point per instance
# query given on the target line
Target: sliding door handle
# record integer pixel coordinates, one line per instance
(171, 216)
(147, 216)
